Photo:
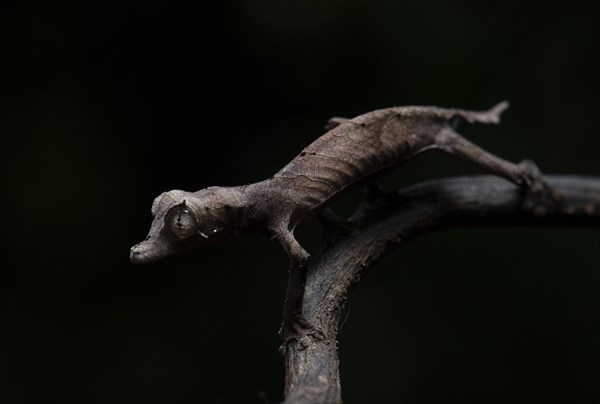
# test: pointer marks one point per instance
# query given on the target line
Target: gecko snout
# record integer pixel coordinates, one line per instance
(145, 253)
(136, 256)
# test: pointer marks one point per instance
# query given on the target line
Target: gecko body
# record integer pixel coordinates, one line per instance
(349, 154)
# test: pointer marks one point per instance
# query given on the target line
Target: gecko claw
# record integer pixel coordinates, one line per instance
(540, 198)
(529, 173)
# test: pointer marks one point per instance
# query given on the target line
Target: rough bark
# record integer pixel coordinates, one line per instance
(312, 374)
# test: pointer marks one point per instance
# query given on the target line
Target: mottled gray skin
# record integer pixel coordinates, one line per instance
(349, 154)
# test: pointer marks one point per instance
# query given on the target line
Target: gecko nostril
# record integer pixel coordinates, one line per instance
(136, 256)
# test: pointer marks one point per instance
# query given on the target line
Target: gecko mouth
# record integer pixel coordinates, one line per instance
(139, 254)
(147, 252)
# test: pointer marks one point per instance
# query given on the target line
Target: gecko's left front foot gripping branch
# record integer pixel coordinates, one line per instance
(295, 325)
(297, 328)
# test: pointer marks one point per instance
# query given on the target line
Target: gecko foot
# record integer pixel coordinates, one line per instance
(298, 329)
(540, 198)
(335, 227)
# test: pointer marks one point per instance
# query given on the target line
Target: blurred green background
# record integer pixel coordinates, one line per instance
(105, 104)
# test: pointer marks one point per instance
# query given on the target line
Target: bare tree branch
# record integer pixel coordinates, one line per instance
(312, 374)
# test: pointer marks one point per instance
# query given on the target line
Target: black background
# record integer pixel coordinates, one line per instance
(105, 104)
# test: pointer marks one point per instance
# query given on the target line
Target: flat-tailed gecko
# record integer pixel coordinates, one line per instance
(353, 152)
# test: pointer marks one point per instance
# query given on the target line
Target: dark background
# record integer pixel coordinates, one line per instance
(105, 104)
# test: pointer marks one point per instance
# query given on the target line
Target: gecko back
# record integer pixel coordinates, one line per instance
(363, 146)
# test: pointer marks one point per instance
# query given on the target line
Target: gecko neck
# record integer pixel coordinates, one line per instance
(256, 206)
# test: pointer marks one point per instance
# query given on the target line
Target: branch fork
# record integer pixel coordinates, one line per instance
(312, 372)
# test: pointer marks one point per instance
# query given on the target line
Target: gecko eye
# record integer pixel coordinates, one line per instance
(182, 223)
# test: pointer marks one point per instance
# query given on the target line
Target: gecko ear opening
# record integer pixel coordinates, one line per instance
(181, 221)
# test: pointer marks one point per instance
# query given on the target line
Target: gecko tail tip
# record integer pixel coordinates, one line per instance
(492, 115)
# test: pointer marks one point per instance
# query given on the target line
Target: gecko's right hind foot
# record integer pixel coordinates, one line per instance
(377, 200)
(540, 198)
(377, 195)
(334, 227)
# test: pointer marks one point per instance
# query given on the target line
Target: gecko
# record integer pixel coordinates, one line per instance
(352, 152)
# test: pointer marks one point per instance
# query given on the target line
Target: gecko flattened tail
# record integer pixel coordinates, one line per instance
(490, 116)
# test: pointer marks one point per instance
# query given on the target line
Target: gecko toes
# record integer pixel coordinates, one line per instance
(528, 173)
(540, 198)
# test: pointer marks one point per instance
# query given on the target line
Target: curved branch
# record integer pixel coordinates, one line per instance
(312, 374)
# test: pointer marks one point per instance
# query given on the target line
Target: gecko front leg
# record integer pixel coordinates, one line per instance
(295, 325)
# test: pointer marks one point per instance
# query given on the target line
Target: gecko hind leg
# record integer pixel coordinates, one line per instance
(524, 174)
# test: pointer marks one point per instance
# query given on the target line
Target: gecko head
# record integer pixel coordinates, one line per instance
(185, 221)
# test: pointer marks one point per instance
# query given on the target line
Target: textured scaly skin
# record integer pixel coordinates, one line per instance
(349, 154)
